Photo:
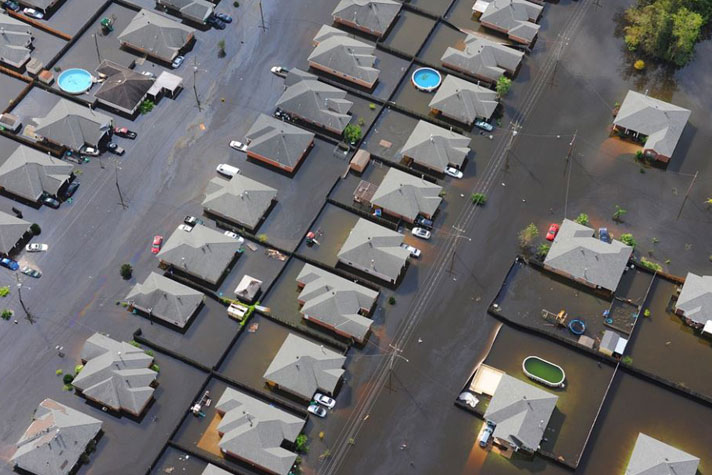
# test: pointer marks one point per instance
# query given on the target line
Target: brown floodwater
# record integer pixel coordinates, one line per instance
(409, 32)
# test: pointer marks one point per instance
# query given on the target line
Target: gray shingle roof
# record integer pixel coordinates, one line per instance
(202, 252)
(211, 469)
(463, 101)
(73, 125)
(406, 195)
(521, 412)
(166, 299)
(652, 457)
(315, 101)
(12, 229)
(338, 51)
(254, 431)
(576, 252)
(156, 34)
(278, 141)
(662, 122)
(241, 200)
(483, 58)
(15, 41)
(303, 368)
(123, 88)
(435, 147)
(374, 249)
(695, 299)
(28, 173)
(41, 4)
(335, 301)
(516, 17)
(372, 15)
(197, 10)
(116, 374)
(55, 439)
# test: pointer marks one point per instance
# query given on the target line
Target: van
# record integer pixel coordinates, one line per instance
(486, 434)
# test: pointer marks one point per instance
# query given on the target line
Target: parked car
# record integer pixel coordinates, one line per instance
(215, 22)
(424, 222)
(317, 410)
(414, 251)
(421, 233)
(51, 202)
(551, 234)
(9, 263)
(124, 132)
(177, 61)
(239, 146)
(190, 220)
(36, 247)
(224, 17)
(603, 235)
(11, 5)
(486, 434)
(325, 400)
(32, 13)
(239, 238)
(113, 147)
(156, 244)
(227, 170)
(31, 272)
(71, 189)
(148, 74)
(89, 150)
(279, 70)
(481, 124)
(185, 227)
(453, 172)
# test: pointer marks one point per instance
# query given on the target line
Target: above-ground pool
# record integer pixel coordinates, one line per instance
(543, 371)
(426, 79)
(75, 81)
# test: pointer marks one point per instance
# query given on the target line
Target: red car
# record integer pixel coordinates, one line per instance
(553, 229)
(157, 241)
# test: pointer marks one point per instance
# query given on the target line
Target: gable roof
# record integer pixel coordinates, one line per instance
(278, 141)
(202, 252)
(662, 122)
(520, 411)
(516, 17)
(240, 199)
(28, 173)
(55, 439)
(15, 41)
(335, 301)
(12, 229)
(464, 101)
(254, 431)
(123, 88)
(436, 147)
(336, 50)
(406, 195)
(156, 34)
(211, 469)
(695, 299)
(653, 457)
(116, 374)
(166, 299)
(72, 125)
(372, 15)
(302, 367)
(483, 58)
(197, 10)
(372, 246)
(315, 101)
(576, 252)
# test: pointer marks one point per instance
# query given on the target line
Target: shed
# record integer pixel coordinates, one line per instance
(360, 160)
(248, 288)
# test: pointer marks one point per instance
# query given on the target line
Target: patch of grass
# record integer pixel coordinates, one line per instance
(4, 291)
(653, 266)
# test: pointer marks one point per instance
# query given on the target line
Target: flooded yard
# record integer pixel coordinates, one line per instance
(443, 37)
(332, 228)
(257, 264)
(344, 191)
(434, 7)
(409, 32)
(389, 134)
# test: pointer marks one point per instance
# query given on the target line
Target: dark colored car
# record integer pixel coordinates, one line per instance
(9, 263)
(113, 147)
(216, 23)
(51, 202)
(424, 222)
(190, 220)
(124, 132)
(224, 17)
(603, 235)
(71, 189)
(11, 5)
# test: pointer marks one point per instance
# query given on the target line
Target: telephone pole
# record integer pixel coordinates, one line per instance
(684, 200)
(571, 146)
(262, 17)
(30, 318)
(563, 41)
(195, 87)
(395, 353)
(118, 188)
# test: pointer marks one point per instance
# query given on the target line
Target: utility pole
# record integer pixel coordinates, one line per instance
(458, 235)
(571, 146)
(395, 353)
(96, 43)
(195, 87)
(687, 194)
(30, 318)
(563, 41)
(121, 196)
(514, 126)
(262, 17)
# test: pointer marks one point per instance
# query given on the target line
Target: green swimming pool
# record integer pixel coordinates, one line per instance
(544, 372)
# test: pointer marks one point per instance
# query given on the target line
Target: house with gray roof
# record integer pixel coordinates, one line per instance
(374, 17)
(520, 413)
(44, 5)
(72, 126)
(240, 200)
(482, 59)
(694, 303)
(406, 196)
(15, 42)
(653, 457)
(435, 148)
(254, 432)
(13, 233)
(578, 255)
(123, 89)
(345, 57)
(302, 368)
(463, 101)
(278, 143)
(333, 302)
(116, 375)
(375, 250)
(660, 123)
(28, 174)
(211, 469)
(54, 441)
(516, 18)
(165, 299)
(156, 35)
(194, 10)
(315, 102)
(202, 253)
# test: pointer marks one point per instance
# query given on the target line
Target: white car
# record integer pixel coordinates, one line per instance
(414, 251)
(185, 227)
(36, 247)
(453, 172)
(148, 74)
(32, 13)
(227, 170)
(278, 70)
(317, 410)
(239, 238)
(325, 400)
(177, 62)
(421, 233)
(239, 146)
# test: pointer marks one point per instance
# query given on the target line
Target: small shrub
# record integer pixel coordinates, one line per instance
(325, 454)
(84, 459)
(135, 343)
(352, 133)
(639, 65)
(156, 368)
(618, 214)
(653, 266)
(321, 435)
(667, 261)
(59, 372)
(627, 238)
(221, 49)
(372, 106)
(78, 368)
(351, 441)
(391, 300)
(4, 291)
(146, 106)
(655, 240)
(478, 199)
(57, 69)
(149, 353)
(67, 379)
(504, 84)
(646, 312)
(582, 219)
(236, 4)
(6, 314)
(361, 122)
(627, 360)
(527, 235)
(300, 444)
(67, 387)
(262, 238)
(35, 229)
(542, 251)
(642, 170)
(126, 271)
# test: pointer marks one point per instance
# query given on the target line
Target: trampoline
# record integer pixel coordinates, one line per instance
(577, 327)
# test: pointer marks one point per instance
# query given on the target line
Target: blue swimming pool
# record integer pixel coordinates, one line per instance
(75, 81)
(426, 79)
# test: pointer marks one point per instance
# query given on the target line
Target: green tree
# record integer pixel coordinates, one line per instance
(478, 198)
(504, 84)
(300, 444)
(35, 229)
(582, 219)
(126, 271)
(68, 378)
(527, 235)
(542, 251)
(352, 133)
(618, 214)
(146, 106)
